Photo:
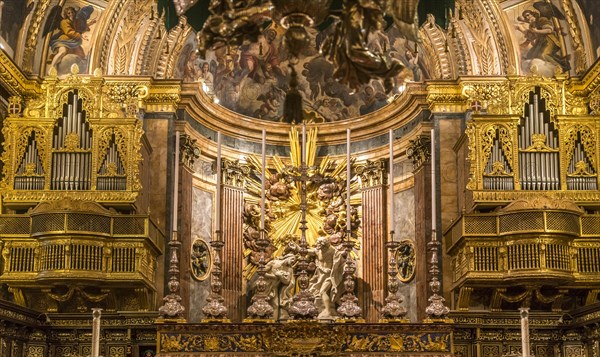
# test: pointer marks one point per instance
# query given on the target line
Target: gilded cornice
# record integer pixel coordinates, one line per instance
(163, 96)
(589, 83)
(446, 97)
(13, 79)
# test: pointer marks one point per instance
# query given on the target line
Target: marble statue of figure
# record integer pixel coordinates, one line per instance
(327, 278)
(280, 275)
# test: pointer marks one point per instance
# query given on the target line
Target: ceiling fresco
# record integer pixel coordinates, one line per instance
(481, 37)
(253, 78)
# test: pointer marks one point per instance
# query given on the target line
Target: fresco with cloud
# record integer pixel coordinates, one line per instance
(252, 79)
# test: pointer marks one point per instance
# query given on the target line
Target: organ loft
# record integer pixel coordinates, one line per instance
(299, 178)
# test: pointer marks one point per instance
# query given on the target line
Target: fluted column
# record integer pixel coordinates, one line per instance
(234, 181)
(373, 253)
(188, 153)
(419, 152)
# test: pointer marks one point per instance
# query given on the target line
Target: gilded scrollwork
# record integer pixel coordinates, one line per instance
(471, 132)
(588, 140)
(493, 96)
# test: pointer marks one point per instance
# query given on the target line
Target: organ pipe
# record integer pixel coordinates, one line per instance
(538, 148)
(71, 157)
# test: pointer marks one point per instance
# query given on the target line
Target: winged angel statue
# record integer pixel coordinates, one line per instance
(66, 28)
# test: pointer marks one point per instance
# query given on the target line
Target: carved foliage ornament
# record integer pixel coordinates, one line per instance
(419, 151)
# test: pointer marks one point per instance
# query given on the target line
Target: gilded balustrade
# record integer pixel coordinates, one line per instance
(76, 245)
(510, 246)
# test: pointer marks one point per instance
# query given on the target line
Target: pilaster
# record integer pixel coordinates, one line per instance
(373, 253)
(419, 152)
(234, 176)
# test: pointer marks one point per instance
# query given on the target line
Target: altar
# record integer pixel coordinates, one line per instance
(304, 339)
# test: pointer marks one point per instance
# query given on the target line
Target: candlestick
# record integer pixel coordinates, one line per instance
(391, 185)
(263, 178)
(176, 185)
(218, 195)
(96, 313)
(433, 205)
(303, 157)
(348, 177)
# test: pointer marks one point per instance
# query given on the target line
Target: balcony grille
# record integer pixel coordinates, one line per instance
(86, 257)
(123, 260)
(52, 257)
(562, 222)
(88, 223)
(523, 256)
(557, 257)
(129, 225)
(22, 259)
(50, 222)
(486, 258)
(522, 222)
(588, 260)
(14, 225)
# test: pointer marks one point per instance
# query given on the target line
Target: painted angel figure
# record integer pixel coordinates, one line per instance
(542, 38)
(67, 27)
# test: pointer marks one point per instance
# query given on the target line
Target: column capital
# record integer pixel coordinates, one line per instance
(419, 151)
(235, 173)
(188, 151)
(372, 173)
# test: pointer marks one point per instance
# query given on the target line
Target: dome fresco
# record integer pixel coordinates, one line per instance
(252, 80)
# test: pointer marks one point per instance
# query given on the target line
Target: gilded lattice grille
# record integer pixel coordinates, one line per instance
(129, 225)
(88, 223)
(523, 256)
(588, 260)
(22, 259)
(50, 222)
(557, 257)
(562, 222)
(123, 260)
(14, 225)
(522, 222)
(486, 258)
(52, 257)
(86, 257)
(590, 225)
(480, 225)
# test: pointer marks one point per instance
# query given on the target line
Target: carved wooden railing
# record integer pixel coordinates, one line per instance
(75, 245)
(510, 246)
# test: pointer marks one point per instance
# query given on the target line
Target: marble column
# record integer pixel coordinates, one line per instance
(419, 152)
(188, 153)
(374, 225)
(234, 181)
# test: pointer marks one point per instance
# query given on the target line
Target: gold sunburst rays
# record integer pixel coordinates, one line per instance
(284, 214)
(296, 146)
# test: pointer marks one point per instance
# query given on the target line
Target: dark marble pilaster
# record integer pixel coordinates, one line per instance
(374, 253)
(234, 181)
(420, 153)
(188, 153)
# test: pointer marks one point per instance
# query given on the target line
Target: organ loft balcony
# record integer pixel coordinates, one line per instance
(529, 233)
(65, 251)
